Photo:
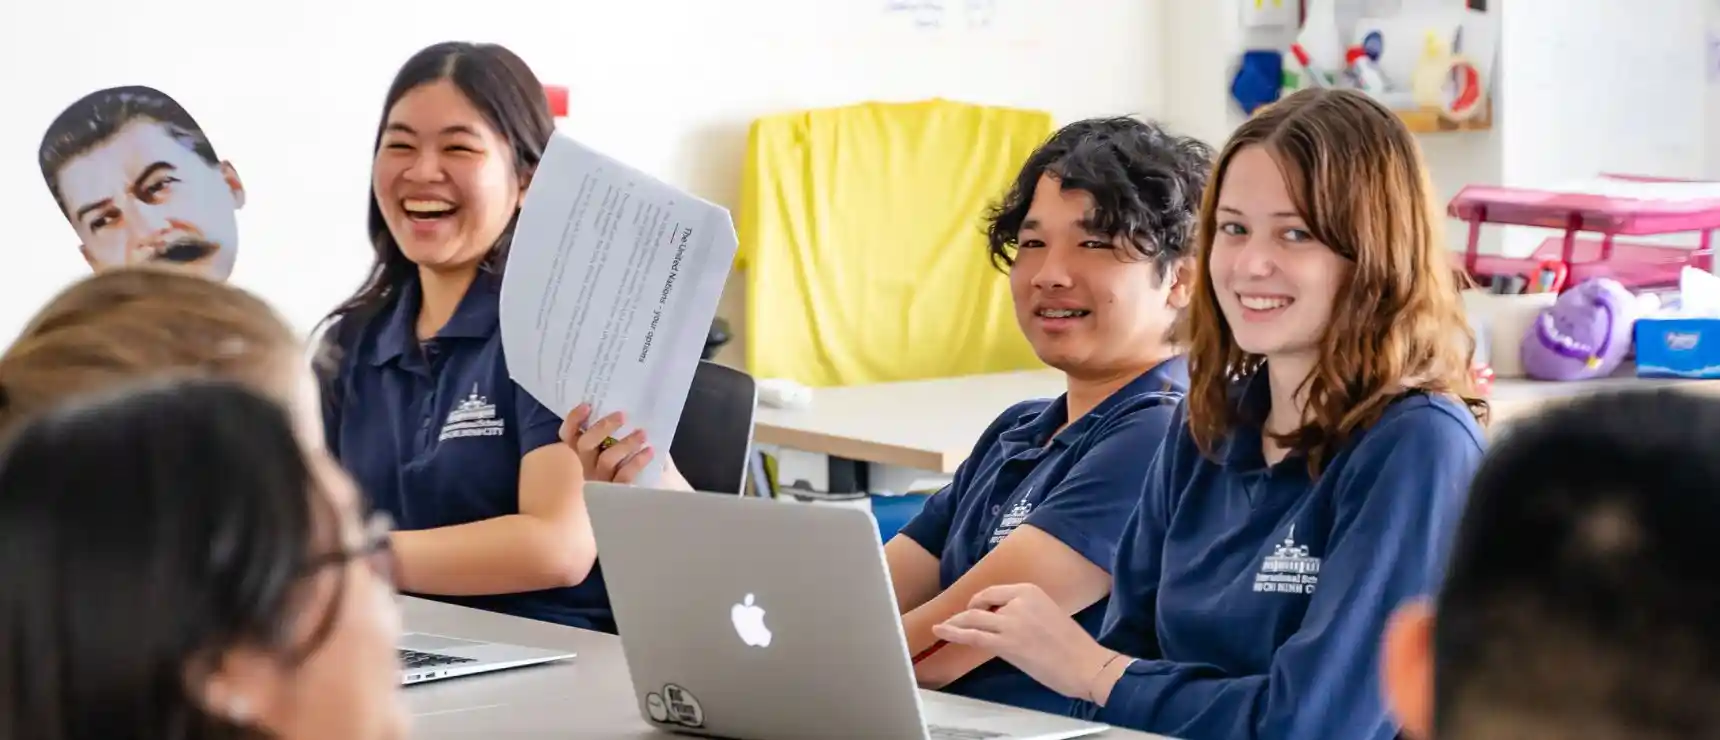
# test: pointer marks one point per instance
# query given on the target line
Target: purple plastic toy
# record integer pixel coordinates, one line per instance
(1585, 334)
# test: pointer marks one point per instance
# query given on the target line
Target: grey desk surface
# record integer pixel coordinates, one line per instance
(588, 697)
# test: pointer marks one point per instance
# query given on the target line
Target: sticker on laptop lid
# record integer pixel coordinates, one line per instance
(674, 706)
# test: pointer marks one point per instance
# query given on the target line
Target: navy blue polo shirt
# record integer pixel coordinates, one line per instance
(434, 433)
(1255, 597)
(1078, 486)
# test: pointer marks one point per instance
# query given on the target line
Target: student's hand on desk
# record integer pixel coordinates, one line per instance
(620, 461)
(1021, 624)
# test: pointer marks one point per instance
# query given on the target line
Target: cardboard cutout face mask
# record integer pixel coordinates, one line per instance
(139, 182)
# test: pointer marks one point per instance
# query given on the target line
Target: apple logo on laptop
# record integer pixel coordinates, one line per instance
(749, 623)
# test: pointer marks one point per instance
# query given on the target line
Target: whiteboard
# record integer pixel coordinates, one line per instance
(290, 93)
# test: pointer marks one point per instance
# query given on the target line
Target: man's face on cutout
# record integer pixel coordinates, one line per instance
(143, 196)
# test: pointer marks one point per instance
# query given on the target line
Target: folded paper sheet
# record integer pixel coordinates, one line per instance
(611, 285)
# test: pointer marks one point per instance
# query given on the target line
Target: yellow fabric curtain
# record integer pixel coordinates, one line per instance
(860, 234)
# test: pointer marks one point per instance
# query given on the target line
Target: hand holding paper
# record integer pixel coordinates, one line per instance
(612, 282)
(604, 455)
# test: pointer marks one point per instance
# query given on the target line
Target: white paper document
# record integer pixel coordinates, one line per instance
(611, 284)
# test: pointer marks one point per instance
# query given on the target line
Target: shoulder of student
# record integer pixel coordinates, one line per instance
(1015, 415)
(329, 345)
(342, 333)
(1156, 410)
(1432, 421)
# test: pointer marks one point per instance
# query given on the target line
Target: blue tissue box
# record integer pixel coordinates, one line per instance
(1678, 348)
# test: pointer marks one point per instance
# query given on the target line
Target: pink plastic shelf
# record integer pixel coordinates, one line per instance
(1634, 265)
(1599, 213)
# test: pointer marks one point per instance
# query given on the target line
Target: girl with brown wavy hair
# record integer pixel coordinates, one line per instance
(127, 323)
(149, 417)
(1320, 463)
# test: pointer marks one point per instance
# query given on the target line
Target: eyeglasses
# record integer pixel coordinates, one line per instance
(372, 547)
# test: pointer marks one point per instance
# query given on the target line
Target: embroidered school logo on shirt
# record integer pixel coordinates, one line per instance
(1289, 569)
(474, 417)
(1011, 519)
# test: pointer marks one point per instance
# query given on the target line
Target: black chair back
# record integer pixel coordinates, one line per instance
(713, 442)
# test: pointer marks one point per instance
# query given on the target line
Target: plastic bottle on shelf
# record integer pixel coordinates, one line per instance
(1311, 75)
(1295, 75)
(1319, 36)
(1363, 73)
(1431, 73)
(1292, 75)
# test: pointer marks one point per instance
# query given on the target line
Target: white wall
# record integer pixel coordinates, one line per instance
(290, 93)
(1567, 103)
(1596, 86)
(1711, 153)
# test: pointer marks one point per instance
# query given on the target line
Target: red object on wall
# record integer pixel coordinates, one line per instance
(557, 100)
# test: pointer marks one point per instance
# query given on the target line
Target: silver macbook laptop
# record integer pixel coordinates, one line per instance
(425, 657)
(764, 620)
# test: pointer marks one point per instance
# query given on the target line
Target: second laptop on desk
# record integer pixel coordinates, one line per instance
(425, 657)
(760, 620)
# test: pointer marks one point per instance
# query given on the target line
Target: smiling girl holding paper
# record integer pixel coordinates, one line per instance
(421, 407)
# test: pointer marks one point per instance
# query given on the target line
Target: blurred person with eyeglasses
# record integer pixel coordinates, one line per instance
(176, 564)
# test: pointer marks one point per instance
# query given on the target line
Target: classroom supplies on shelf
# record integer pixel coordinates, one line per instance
(1309, 74)
(1363, 74)
(1436, 65)
(1447, 81)
(1628, 218)
(1259, 80)
(1319, 38)
(1550, 277)
(1431, 65)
